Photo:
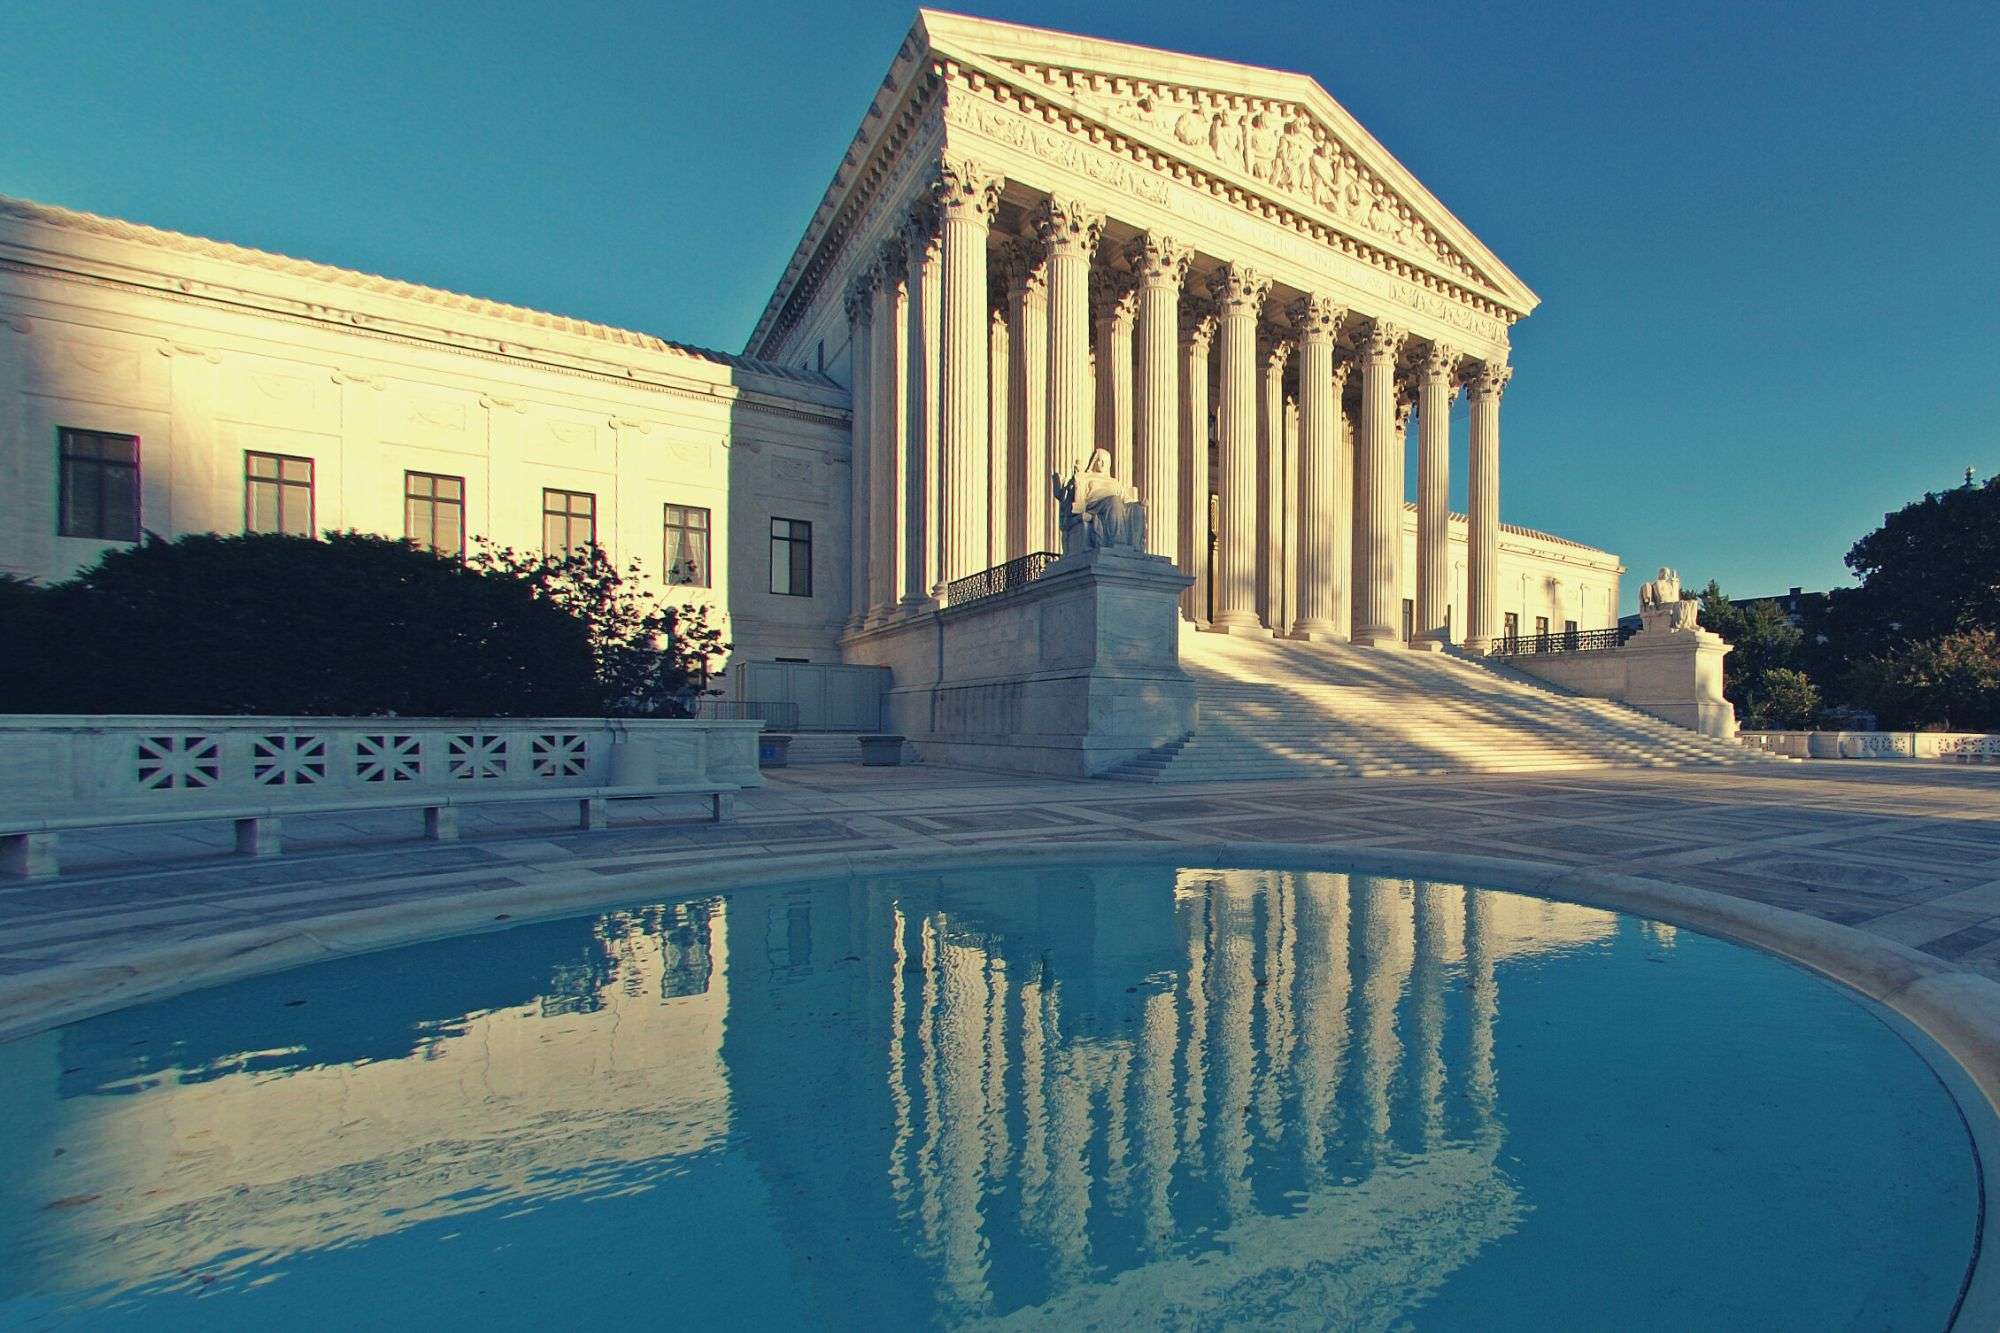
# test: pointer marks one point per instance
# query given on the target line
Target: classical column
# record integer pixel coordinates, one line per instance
(1277, 353)
(924, 242)
(1436, 386)
(1378, 491)
(1316, 321)
(861, 442)
(1288, 548)
(967, 196)
(1483, 387)
(1000, 494)
(1343, 502)
(1069, 234)
(1115, 303)
(889, 425)
(1239, 294)
(1161, 265)
(1198, 334)
(1032, 521)
(1399, 465)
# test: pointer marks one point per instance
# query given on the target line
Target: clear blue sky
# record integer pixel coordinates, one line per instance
(1767, 236)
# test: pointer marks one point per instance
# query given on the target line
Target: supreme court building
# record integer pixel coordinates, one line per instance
(1036, 245)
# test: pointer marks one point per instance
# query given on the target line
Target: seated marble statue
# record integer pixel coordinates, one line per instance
(1661, 606)
(1097, 510)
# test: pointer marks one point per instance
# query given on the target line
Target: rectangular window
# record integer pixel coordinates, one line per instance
(1569, 634)
(99, 484)
(569, 521)
(1541, 627)
(434, 512)
(686, 559)
(1512, 629)
(1409, 620)
(278, 494)
(791, 557)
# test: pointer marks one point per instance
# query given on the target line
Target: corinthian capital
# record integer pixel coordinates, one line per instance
(922, 233)
(1487, 379)
(966, 191)
(1112, 294)
(892, 260)
(1316, 318)
(1379, 340)
(1066, 227)
(1239, 290)
(860, 296)
(1197, 321)
(1026, 267)
(1438, 363)
(1160, 261)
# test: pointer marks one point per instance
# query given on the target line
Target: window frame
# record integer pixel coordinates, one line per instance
(569, 516)
(791, 541)
(100, 466)
(411, 475)
(668, 527)
(283, 484)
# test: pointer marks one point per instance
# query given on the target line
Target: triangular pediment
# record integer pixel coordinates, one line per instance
(1271, 133)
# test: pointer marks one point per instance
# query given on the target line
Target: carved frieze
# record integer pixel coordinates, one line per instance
(1007, 127)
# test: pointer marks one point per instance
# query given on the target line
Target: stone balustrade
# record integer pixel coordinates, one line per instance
(61, 773)
(1965, 747)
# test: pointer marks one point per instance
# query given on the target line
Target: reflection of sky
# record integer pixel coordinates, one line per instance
(1085, 1096)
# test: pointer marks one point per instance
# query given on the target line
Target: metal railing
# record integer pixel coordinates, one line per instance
(1016, 573)
(1569, 641)
(776, 715)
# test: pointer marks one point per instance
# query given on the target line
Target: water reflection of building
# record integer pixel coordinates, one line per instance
(1189, 1087)
(181, 1122)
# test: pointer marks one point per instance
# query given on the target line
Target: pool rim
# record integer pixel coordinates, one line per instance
(1955, 1008)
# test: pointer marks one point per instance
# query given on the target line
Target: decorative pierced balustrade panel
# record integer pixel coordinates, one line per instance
(288, 761)
(559, 755)
(475, 755)
(388, 758)
(165, 763)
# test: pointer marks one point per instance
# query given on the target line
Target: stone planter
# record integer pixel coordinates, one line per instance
(881, 751)
(774, 749)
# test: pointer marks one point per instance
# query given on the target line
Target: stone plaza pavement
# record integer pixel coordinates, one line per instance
(1905, 852)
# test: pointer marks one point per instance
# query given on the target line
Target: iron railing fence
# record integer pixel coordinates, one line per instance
(1564, 641)
(1016, 573)
(775, 714)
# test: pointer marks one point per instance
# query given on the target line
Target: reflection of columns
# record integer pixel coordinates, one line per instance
(1027, 391)
(861, 443)
(921, 236)
(967, 196)
(1386, 951)
(1235, 989)
(1483, 1006)
(1070, 234)
(1240, 296)
(1378, 491)
(1277, 352)
(1427, 983)
(1433, 628)
(1115, 305)
(888, 475)
(999, 493)
(1158, 1147)
(1482, 581)
(1323, 1019)
(1161, 265)
(1195, 535)
(1197, 913)
(1317, 319)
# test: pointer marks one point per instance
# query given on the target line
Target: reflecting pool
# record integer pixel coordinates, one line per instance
(1058, 1096)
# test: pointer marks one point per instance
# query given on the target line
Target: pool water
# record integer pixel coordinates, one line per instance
(1121, 1096)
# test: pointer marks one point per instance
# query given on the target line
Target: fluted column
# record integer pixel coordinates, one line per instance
(1277, 354)
(1115, 305)
(1198, 335)
(1343, 503)
(1239, 294)
(1436, 386)
(1316, 320)
(967, 196)
(1482, 574)
(1160, 265)
(889, 425)
(1032, 521)
(925, 245)
(1288, 548)
(1000, 493)
(1069, 234)
(1378, 491)
(861, 442)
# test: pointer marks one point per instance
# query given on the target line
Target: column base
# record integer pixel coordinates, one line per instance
(1323, 633)
(1379, 639)
(916, 605)
(1241, 629)
(1427, 645)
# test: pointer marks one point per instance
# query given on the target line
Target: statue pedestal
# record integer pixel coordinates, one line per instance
(1674, 674)
(1069, 675)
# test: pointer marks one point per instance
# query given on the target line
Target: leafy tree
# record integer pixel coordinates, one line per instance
(353, 624)
(649, 658)
(1948, 684)
(1930, 571)
(1789, 702)
(1762, 675)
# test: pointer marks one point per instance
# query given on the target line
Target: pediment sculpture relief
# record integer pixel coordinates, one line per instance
(1279, 144)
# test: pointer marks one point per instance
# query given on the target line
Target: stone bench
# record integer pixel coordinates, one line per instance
(28, 839)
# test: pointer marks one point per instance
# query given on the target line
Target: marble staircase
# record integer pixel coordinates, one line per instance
(1278, 708)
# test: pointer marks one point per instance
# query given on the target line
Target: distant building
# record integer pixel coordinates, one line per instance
(1797, 604)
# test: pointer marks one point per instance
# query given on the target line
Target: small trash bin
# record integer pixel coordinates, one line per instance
(774, 749)
(881, 751)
